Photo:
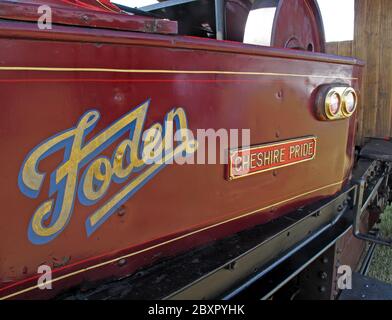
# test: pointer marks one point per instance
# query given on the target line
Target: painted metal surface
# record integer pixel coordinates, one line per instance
(93, 14)
(67, 104)
(288, 33)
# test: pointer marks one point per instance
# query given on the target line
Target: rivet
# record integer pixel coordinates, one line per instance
(322, 289)
(118, 97)
(277, 134)
(274, 173)
(121, 211)
(121, 262)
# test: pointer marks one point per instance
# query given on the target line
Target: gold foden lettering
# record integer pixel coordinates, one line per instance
(130, 154)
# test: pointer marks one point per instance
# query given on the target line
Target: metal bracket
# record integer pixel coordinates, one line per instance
(361, 206)
(220, 19)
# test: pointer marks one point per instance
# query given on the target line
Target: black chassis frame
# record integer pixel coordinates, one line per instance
(256, 263)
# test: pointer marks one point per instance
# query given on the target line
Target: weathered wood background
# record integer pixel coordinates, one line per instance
(373, 44)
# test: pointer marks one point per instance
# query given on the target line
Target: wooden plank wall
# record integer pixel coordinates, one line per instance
(373, 44)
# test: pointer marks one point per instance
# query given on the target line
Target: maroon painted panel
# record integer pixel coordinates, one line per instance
(47, 86)
(87, 16)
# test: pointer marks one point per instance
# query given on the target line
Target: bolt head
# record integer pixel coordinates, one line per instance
(322, 289)
(122, 262)
(121, 211)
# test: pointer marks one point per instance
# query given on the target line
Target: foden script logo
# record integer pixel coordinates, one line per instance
(142, 152)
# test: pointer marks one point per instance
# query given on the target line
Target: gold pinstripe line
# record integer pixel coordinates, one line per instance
(168, 241)
(217, 72)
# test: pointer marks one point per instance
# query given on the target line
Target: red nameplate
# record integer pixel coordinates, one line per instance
(248, 161)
